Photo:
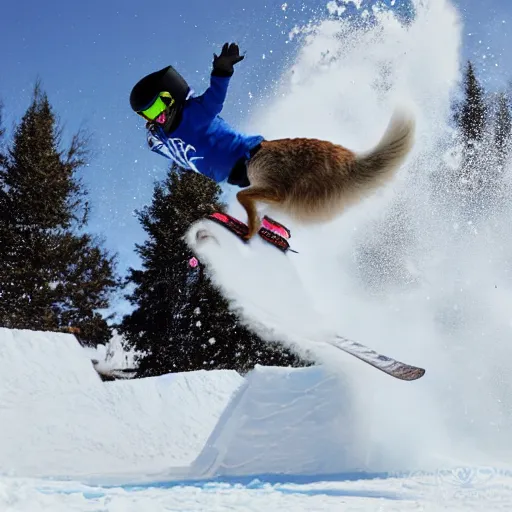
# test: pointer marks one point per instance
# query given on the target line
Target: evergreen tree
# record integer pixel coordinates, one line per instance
(479, 182)
(502, 128)
(3, 158)
(4, 234)
(473, 111)
(52, 276)
(471, 118)
(180, 319)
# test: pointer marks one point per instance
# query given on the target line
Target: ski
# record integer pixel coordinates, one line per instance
(388, 365)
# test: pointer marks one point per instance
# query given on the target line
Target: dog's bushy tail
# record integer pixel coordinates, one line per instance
(375, 167)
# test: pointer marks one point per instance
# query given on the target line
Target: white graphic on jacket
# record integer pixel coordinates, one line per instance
(175, 149)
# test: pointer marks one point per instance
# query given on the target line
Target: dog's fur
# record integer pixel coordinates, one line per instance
(314, 180)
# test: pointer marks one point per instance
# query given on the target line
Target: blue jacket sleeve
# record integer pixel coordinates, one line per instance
(213, 98)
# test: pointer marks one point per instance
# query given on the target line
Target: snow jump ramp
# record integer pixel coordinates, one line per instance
(283, 421)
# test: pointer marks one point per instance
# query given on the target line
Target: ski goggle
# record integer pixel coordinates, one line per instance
(163, 101)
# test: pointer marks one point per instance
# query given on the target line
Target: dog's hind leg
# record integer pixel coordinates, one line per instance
(248, 198)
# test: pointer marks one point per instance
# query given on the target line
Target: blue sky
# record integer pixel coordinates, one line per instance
(89, 54)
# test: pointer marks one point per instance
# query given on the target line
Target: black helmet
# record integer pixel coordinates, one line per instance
(147, 89)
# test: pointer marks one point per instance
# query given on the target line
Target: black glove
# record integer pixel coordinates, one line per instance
(223, 63)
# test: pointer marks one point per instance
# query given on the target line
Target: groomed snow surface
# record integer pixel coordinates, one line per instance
(279, 439)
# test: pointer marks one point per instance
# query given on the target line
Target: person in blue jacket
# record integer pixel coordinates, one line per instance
(188, 129)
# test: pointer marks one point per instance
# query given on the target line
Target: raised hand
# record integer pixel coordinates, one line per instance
(229, 56)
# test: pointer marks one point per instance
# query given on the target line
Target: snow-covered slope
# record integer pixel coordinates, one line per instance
(293, 428)
(59, 419)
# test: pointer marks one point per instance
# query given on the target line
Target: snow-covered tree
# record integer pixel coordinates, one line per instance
(483, 124)
(502, 128)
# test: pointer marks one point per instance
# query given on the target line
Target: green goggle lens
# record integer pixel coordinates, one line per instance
(162, 102)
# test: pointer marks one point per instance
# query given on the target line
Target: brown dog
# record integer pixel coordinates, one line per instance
(314, 180)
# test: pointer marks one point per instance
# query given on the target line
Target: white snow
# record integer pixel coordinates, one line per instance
(425, 493)
(279, 439)
(288, 421)
(59, 419)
